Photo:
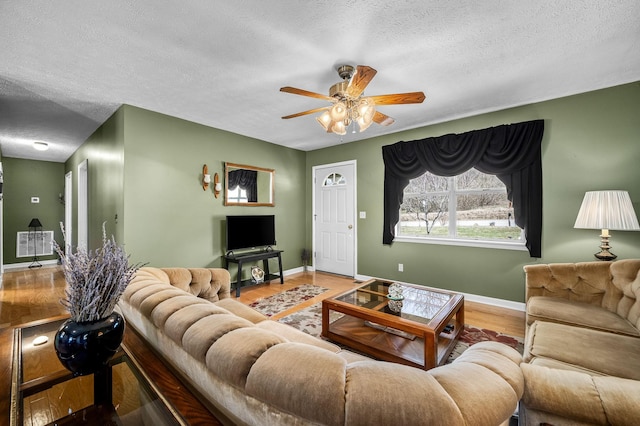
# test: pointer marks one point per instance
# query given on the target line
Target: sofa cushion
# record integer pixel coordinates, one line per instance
(163, 310)
(417, 396)
(232, 356)
(241, 310)
(567, 394)
(295, 335)
(606, 353)
(199, 337)
(577, 313)
(178, 323)
(301, 379)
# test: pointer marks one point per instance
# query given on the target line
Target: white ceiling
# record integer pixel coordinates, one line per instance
(67, 65)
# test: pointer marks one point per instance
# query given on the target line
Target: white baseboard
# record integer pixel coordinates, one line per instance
(507, 304)
(23, 265)
(298, 270)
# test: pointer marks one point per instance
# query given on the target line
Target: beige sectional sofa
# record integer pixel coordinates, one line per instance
(252, 370)
(582, 346)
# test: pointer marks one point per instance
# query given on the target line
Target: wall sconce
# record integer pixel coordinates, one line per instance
(206, 177)
(217, 186)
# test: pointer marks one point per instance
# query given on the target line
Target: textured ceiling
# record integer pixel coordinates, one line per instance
(67, 65)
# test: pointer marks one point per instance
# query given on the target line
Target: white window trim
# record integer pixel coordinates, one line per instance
(503, 245)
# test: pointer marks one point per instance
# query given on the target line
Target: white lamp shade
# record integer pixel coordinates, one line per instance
(339, 128)
(325, 120)
(607, 210)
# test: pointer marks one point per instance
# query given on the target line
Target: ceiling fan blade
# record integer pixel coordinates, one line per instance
(383, 119)
(399, 98)
(360, 80)
(311, 111)
(306, 93)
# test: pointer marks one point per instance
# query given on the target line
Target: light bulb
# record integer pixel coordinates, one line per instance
(339, 111)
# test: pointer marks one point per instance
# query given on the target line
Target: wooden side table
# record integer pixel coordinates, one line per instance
(135, 385)
(252, 257)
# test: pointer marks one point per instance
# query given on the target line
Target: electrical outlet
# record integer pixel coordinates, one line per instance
(400, 267)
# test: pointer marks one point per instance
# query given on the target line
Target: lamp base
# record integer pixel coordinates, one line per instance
(605, 254)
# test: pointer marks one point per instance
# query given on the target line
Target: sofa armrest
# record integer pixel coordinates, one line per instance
(553, 395)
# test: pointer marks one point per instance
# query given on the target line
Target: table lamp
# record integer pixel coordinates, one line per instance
(607, 210)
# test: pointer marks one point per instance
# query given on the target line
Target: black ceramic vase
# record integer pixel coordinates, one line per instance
(84, 347)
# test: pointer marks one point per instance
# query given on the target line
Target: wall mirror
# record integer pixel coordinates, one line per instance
(248, 185)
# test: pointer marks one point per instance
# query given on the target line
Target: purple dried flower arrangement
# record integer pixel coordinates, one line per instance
(95, 279)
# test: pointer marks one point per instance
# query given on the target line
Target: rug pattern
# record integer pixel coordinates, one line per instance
(287, 299)
(309, 320)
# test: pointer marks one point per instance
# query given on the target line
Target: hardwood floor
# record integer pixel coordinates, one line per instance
(33, 294)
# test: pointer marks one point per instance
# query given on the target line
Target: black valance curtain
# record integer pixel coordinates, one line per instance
(247, 180)
(511, 152)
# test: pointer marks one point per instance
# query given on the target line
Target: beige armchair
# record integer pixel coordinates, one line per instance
(582, 345)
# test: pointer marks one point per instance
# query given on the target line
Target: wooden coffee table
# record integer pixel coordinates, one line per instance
(420, 330)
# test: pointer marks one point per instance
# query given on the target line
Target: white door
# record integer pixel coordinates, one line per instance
(334, 218)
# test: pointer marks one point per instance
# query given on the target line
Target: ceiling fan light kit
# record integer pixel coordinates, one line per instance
(349, 106)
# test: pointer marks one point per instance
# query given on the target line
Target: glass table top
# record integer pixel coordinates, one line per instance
(45, 392)
(415, 304)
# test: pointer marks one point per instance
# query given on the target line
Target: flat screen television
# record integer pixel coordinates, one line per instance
(248, 232)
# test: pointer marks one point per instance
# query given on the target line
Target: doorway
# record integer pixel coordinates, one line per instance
(334, 224)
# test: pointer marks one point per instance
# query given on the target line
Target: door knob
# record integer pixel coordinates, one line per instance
(350, 226)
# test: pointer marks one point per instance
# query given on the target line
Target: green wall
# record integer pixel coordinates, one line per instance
(104, 152)
(146, 168)
(590, 143)
(24, 179)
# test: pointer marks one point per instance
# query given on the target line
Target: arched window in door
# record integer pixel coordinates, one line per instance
(334, 179)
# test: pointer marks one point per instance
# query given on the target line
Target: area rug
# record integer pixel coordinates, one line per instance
(309, 320)
(287, 299)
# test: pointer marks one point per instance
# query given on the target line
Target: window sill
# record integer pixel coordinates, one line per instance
(501, 245)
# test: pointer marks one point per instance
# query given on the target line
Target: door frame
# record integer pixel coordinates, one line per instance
(83, 206)
(314, 169)
(68, 211)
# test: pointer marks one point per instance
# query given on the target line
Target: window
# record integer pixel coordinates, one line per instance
(237, 195)
(472, 206)
(334, 179)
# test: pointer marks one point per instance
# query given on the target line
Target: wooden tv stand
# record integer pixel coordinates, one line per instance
(263, 255)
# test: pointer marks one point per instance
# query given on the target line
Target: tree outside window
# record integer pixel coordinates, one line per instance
(471, 206)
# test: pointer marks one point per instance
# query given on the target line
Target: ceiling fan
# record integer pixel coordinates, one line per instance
(348, 103)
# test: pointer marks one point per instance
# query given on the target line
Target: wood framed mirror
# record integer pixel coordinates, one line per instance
(246, 185)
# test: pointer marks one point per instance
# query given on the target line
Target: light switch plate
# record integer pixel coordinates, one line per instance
(35, 200)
